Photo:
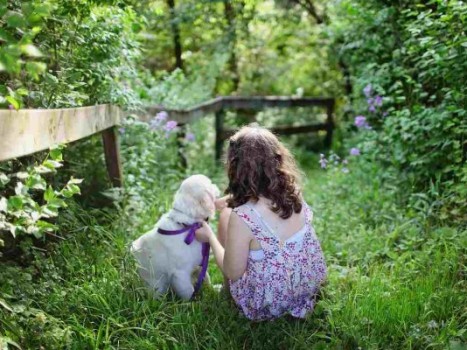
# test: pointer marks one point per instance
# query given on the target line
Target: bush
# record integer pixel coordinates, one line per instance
(68, 54)
(418, 64)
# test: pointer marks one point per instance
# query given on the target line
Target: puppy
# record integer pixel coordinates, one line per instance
(166, 261)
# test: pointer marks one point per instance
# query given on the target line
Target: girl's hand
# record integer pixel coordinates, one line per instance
(221, 203)
(204, 233)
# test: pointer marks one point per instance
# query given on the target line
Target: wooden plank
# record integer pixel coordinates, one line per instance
(112, 156)
(31, 130)
(185, 116)
(329, 124)
(282, 130)
(236, 102)
(260, 102)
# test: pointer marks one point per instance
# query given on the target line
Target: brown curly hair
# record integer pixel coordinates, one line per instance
(258, 164)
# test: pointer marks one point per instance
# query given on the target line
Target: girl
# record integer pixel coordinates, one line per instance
(267, 247)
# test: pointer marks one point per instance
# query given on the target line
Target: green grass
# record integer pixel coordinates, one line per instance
(395, 281)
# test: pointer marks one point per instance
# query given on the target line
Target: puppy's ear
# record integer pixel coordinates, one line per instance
(207, 203)
(215, 191)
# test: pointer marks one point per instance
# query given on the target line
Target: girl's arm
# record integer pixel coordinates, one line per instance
(232, 260)
(237, 248)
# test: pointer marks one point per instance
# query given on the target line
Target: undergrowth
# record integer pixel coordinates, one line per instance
(396, 280)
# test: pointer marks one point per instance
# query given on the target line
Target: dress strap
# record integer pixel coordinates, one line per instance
(308, 213)
(257, 227)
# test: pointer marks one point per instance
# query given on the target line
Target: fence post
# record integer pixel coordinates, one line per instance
(181, 134)
(329, 123)
(112, 156)
(219, 126)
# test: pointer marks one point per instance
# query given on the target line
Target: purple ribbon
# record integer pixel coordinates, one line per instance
(205, 248)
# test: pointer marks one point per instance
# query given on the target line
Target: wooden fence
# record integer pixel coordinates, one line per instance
(28, 131)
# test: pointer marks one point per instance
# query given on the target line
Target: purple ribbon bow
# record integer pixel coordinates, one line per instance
(205, 248)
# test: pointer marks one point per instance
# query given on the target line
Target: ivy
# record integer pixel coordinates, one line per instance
(24, 210)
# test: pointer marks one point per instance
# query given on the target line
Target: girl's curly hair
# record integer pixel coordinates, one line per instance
(258, 164)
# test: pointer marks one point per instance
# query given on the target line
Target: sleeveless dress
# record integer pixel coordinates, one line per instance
(286, 277)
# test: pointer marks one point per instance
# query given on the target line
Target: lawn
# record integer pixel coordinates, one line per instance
(395, 281)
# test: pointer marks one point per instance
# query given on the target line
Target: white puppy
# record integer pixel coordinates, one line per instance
(166, 260)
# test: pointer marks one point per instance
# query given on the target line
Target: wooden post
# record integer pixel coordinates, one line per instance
(329, 124)
(181, 134)
(219, 126)
(112, 156)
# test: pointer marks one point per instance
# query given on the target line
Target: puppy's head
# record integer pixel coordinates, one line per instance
(196, 197)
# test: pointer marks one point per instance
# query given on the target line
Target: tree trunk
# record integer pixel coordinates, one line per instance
(229, 13)
(176, 35)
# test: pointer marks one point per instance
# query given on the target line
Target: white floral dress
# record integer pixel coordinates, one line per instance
(286, 277)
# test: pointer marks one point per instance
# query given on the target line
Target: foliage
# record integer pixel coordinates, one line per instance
(20, 22)
(383, 206)
(405, 287)
(68, 55)
(27, 203)
(151, 161)
(418, 64)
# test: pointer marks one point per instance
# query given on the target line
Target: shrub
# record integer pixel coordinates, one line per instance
(413, 54)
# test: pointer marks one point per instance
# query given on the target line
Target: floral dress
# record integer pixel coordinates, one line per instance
(286, 277)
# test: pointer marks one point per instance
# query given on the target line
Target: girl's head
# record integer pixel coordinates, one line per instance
(258, 164)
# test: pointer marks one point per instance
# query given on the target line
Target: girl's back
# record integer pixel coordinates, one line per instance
(285, 265)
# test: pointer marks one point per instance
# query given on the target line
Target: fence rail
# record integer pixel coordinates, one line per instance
(29, 131)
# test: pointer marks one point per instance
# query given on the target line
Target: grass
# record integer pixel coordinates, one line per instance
(397, 280)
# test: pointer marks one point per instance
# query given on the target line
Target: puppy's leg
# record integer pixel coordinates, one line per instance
(181, 283)
(207, 279)
(160, 285)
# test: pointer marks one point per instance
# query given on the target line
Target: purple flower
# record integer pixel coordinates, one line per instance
(154, 124)
(385, 114)
(360, 121)
(378, 101)
(10, 107)
(372, 109)
(157, 120)
(121, 130)
(370, 101)
(354, 151)
(323, 162)
(170, 125)
(190, 137)
(162, 116)
(367, 90)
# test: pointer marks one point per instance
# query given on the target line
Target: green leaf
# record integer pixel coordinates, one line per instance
(15, 20)
(75, 181)
(46, 226)
(56, 154)
(3, 204)
(15, 103)
(31, 50)
(52, 164)
(22, 92)
(4, 179)
(35, 69)
(15, 203)
(5, 305)
(36, 182)
(49, 194)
